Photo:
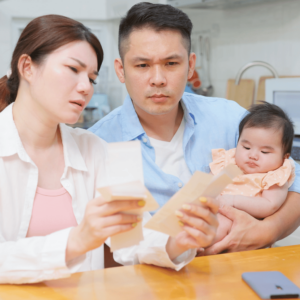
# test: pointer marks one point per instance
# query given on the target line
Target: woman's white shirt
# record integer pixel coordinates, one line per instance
(25, 260)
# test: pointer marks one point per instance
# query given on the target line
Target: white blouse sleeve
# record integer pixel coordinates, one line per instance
(152, 251)
(35, 259)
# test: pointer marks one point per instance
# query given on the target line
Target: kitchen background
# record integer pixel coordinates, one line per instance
(227, 35)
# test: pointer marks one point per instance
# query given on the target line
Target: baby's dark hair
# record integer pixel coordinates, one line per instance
(267, 115)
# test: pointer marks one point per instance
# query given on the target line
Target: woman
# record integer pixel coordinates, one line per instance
(49, 224)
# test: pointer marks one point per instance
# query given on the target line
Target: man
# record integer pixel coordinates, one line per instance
(178, 130)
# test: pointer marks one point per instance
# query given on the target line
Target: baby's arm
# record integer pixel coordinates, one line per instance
(258, 207)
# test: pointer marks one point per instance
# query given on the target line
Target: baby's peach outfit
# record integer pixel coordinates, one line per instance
(251, 184)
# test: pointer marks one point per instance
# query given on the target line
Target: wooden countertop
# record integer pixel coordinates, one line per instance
(210, 277)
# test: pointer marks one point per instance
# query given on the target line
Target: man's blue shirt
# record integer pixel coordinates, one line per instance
(211, 123)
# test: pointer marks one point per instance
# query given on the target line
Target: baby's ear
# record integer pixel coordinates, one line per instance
(286, 156)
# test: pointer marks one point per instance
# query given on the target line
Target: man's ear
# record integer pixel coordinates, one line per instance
(192, 64)
(25, 67)
(120, 69)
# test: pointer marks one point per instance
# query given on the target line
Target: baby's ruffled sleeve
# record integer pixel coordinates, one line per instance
(286, 173)
(221, 158)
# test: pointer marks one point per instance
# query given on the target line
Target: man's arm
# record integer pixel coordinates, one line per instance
(258, 207)
(248, 233)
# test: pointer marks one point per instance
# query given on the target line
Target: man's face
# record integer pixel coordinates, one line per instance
(155, 69)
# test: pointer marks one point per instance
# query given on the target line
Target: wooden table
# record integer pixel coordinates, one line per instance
(211, 277)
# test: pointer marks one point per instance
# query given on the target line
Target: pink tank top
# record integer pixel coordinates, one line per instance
(52, 211)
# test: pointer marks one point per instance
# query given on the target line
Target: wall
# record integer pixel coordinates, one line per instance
(102, 16)
(267, 32)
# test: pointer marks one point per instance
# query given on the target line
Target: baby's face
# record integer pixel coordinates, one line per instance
(259, 150)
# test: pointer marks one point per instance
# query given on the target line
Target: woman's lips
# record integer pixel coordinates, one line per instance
(78, 104)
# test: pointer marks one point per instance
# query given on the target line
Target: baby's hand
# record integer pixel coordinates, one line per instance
(227, 200)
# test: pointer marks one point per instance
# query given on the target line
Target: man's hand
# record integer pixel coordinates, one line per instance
(199, 223)
(247, 233)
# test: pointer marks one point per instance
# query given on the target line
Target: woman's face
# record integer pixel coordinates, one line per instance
(62, 85)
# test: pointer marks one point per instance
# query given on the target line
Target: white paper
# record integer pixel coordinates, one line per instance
(125, 182)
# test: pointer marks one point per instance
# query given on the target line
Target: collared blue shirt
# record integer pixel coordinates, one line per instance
(211, 123)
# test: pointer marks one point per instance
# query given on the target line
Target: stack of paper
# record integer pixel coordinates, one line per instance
(125, 182)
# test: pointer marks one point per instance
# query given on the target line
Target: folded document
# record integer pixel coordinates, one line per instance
(200, 184)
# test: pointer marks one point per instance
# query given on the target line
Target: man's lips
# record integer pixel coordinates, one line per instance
(159, 97)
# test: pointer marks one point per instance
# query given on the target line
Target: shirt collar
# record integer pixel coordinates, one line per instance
(188, 105)
(131, 126)
(72, 155)
(10, 142)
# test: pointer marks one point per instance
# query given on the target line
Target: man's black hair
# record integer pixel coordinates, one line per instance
(267, 115)
(156, 16)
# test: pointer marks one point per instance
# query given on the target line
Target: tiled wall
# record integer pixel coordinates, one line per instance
(269, 32)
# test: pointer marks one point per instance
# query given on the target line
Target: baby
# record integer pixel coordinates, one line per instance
(264, 146)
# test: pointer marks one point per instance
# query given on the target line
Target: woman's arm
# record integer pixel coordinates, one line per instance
(35, 259)
(258, 207)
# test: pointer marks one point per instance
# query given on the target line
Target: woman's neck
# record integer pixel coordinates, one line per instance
(34, 126)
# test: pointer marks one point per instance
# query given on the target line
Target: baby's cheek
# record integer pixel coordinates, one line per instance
(239, 158)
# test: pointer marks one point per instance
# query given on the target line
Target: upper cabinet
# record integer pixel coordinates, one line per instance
(213, 3)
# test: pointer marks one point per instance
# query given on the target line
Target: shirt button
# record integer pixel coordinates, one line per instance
(179, 184)
(144, 140)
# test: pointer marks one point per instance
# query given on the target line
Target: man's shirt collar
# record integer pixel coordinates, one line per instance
(131, 126)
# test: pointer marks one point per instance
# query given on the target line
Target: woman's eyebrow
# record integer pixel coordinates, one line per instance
(82, 64)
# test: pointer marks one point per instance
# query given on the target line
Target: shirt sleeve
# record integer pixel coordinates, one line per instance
(285, 173)
(35, 259)
(153, 251)
(296, 185)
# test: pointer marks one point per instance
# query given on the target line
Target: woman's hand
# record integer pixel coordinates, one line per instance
(199, 223)
(101, 220)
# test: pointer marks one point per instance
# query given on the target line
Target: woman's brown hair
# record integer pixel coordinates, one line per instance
(42, 36)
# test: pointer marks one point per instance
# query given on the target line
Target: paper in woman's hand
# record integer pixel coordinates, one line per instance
(200, 184)
(133, 190)
(125, 182)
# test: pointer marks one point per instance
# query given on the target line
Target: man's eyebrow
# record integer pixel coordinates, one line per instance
(83, 64)
(174, 56)
(140, 58)
(136, 59)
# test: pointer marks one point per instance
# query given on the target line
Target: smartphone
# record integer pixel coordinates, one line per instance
(271, 285)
